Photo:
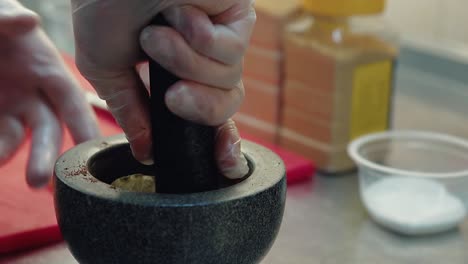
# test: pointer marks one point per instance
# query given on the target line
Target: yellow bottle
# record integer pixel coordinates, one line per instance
(339, 64)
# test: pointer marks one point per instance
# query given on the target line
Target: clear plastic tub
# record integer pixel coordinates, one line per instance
(413, 182)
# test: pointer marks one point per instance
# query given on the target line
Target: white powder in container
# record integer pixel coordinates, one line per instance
(413, 206)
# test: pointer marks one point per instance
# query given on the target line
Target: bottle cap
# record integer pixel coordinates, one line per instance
(344, 7)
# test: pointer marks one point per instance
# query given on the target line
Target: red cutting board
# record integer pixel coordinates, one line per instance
(27, 217)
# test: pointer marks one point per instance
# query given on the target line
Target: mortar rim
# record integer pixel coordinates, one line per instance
(268, 171)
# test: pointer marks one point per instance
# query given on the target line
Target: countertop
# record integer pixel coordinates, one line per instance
(325, 223)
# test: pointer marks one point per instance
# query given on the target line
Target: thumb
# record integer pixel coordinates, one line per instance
(128, 101)
(15, 19)
(229, 157)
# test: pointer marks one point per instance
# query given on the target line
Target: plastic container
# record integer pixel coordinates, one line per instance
(413, 182)
(339, 65)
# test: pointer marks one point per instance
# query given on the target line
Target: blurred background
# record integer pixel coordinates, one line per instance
(56, 20)
(429, 71)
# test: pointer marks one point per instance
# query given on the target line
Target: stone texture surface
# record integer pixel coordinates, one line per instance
(235, 224)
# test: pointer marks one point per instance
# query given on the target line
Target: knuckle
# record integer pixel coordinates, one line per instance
(137, 136)
(233, 76)
(209, 113)
(189, 66)
(116, 99)
(227, 127)
(203, 40)
(240, 91)
(238, 95)
(252, 16)
(240, 48)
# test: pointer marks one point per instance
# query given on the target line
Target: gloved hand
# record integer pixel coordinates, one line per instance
(204, 47)
(37, 93)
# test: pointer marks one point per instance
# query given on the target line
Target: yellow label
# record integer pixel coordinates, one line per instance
(371, 98)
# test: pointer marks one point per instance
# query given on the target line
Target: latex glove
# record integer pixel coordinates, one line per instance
(204, 47)
(37, 93)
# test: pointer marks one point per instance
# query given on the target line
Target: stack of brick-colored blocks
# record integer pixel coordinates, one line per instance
(263, 70)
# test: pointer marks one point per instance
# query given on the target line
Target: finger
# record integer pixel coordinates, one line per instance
(11, 137)
(70, 103)
(229, 157)
(203, 104)
(224, 43)
(67, 98)
(128, 100)
(16, 19)
(45, 145)
(168, 47)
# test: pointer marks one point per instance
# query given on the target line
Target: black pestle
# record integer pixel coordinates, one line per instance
(183, 151)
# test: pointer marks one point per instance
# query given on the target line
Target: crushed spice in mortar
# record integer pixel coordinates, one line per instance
(136, 183)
